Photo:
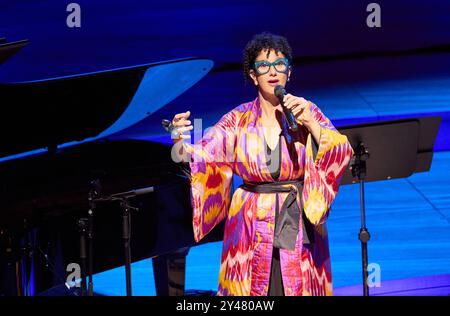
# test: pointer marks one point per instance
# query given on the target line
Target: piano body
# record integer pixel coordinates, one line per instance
(59, 144)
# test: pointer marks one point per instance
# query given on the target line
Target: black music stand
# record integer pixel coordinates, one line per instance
(123, 199)
(397, 150)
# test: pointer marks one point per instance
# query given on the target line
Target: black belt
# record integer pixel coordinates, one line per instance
(286, 221)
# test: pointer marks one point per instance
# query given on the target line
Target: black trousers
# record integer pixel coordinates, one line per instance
(276, 281)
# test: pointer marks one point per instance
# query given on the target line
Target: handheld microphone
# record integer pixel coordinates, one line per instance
(279, 93)
(133, 193)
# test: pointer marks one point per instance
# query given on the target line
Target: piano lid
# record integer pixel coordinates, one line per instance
(8, 50)
(60, 112)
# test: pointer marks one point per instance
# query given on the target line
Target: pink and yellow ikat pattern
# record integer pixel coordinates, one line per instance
(235, 145)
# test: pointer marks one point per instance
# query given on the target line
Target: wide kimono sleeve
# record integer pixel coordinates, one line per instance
(211, 174)
(324, 167)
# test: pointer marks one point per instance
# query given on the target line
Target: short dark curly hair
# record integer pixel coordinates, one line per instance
(262, 41)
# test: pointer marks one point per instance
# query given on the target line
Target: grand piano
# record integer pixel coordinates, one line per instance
(65, 138)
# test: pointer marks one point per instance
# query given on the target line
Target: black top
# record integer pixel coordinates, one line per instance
(275, 173)
(276, 281)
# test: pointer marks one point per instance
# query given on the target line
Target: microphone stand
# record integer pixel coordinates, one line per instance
(123, 199)
(93, 193)
(126, 237)
(86, 229)
(82, 225)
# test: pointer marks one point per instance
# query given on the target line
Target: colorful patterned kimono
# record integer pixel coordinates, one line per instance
(236, 144)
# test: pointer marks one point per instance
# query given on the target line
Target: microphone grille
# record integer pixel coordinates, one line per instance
(279, 91)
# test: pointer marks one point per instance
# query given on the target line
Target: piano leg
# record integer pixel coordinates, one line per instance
(169, 273)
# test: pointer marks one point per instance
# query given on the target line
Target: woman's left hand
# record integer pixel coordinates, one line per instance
(301, 108)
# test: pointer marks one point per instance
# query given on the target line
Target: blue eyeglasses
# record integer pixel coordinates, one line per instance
(263, 66)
